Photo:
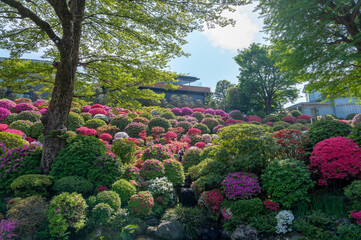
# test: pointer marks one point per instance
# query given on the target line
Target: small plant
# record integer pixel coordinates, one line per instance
(109, 197)
(101, 213)
(240, 185)
(124, 189)
(73, 184)
(140, 205)
(284, 221)
(31, 185)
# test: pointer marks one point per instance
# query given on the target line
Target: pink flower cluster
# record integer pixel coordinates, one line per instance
(3, 113)
(95, 111)
(240, 185)
(212, 201)
(289, 119)
(23, 107)
(8, 104)
(200, 145)
(194, 132)
(270, 205)
(254, 119)
(86, 131)
(356, 216)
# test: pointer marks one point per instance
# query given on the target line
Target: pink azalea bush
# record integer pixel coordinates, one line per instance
(3, 113)
(8, 104)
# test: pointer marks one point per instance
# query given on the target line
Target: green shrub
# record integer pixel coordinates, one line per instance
(91, 201)
(264, 223)
(157, 151)
(168, 115)
(133, 129)
(12, 140)
(325, 129)
(95, 123)
(196, 171)
(29, 116)
(31, 185)
(295, 113)
(31, 212)
(112, 130)
(101, 213)
(146, 115)
(298, 126)
(185, 125)
(174, 172)
(18, 161)
(270, 118)
(124, 149)
(348, 231)
(278, 127)
(287, 182)
(191, 158)
(141, 204)
(350, 116)
(76, 110)
(207, 182)
(73, 184)
(151, 168)
(86, 116)
(211, 123)
(105, 170)
(36, 130)
(208, 152)
(111, 198)
(243, 209)
(204, 129)
(120, 121)
(353, 192)
(159, 122)
(356, 133)
(66, 212)
(124, 189)
(192, 220)
(198, 115)
(132, 115)
(76, 158)
(21, 125)
(74, 121)
(235, 114)
(101, 117)
(10, 118)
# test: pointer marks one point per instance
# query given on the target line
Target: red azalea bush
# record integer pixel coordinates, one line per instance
(97, 106)
(240, 185)
(212, 201)
(141, 204)
(270, 205)
(201, 110)
(304, 117)
(335, 158)
(200, 145)
(171, 136)
(14, 131)
(96, 111)
(86, 131)
(194, 132)
(289, 119)
(356, 216)
(106, 137)
(3, 127)
(254, 119)
(292, 143)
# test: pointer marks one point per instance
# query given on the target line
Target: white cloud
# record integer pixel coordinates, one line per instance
(239, 36)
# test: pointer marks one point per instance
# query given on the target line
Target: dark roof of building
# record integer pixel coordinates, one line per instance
(182, 88)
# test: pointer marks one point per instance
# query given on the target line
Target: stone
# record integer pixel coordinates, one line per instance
(151, 231)
(170, 230)
(142, 226)
(245, 232)
(187, 197)
(226, 234)
(152, 222)
(339, 222)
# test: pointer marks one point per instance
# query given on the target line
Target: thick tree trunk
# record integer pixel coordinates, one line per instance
(268, 102)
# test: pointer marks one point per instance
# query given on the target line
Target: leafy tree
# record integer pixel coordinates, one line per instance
(221, 89)
(319, 40)
(119, 44)
(237, 100)
(261, 79)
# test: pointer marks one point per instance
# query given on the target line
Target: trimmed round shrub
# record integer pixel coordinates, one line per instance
(31, 116)
(125, 149)
(95, 123)
(335, 158)
(21, 107)
(181, 119)
(289, 119)
(271, 118)
(324, 129)
(73, 184)
(278, 127)
(101, 117)
(112, 130)
(168, 115)
(21, 125)
(240, 185)
(105, 137)
(101, 213)
(74, 121)
(124, 189)
(151, 168)
(236, 114)
(159, 122)
(295, 113)
(174, 172)
(353, 192)
(96, 111)
(157, 151)
(186, 111)
(141, 120)
(31, 185)
(36, 130)
(185, 125)
(105, 170)
(220, 112)
(31, 212)
(146, 115)
(177, 111)
(203, 127)
(111, 198)
(140, 205)
(191, 158)
(298, 126)
(198, 115)
(287, 182)
(86, 116)
(8, 104)
(16, 162)
(210, 111)
(66, 212)
(76, 110)
(76, 158)
(131, 173)
(132, 115)
(133, 129)
(11, 140)
(211, 123)
(12, 117)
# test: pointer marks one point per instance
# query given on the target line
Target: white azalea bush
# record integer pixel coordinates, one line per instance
(284, 221)
(163, 193)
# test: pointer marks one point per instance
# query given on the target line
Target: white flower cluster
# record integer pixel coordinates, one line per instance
(161, 187)
(120, 135)
(284, 221)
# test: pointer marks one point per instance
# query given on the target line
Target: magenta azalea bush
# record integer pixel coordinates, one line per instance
(8, 104)
(23, 107)
(186, 111)
(240, 185)
(209, 111)
(7, 228)
(157, 151)
(151, 168)
(3, 113)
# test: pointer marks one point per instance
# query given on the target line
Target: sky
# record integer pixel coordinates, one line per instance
(213, 50)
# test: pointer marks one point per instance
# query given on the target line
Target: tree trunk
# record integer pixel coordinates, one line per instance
(268, 102)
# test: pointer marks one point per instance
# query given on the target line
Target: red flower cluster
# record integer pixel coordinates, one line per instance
(106, 137)
(200, 145)
(254, 119)
(292, 142)
(270, 205)
(212, 200)
(194, 132)
(289, 119)
(357, 216)
(96, 111)
(86, 131)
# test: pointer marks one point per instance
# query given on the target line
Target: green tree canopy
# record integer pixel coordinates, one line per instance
(319, 40)
(221, 89)
(261, 80)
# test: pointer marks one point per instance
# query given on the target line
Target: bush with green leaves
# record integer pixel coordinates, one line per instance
(95, 123)
(174, 172)
(270, 118)
(201, 126)
(74, 121)
(73, 184)
(140, 204)
(192, 220)
(243, 209)
(208, 152)
(355, 134)
(125, 149)
(185, 125)
(159, 122)
(151, 168)
(353, 192)
(168, 115)
(66, 213)
(101, 213)
(111, 198)
(86, 116)
(348, 231)
(22, 125)
(12, 140)
(350, 116)
(278, 127)
(31, 116)
(264, 223)
(31, 185)
(236, 114)
(76, 158)
(12, 117)
(146, 115)
(36, 130)
(325, 129)
(211, 123)
(133, 129)
(287, 182)
(157, 151)
(132, 115)
(295, 113)
(246, 147)
(17, 162)
(198, 115)
(31, 212)
(124, 189)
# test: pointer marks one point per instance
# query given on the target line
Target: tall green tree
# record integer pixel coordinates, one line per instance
(319, 40)
(120, 44)
(261, 80)
(221, 89)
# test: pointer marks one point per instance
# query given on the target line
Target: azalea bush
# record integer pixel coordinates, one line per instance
(240, 185)
(212, 201)
(124, 189)
(151, 168)
(174, 172)
(140, 204)
(124, 149)
(292, 143)
(133, 129)
(157, 151)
